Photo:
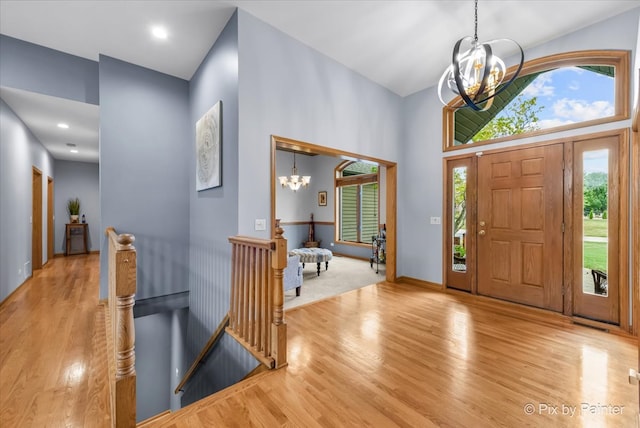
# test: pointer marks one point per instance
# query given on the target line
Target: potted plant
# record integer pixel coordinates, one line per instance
(73, 206)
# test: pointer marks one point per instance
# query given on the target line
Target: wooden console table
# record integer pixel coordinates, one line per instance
(76, 230)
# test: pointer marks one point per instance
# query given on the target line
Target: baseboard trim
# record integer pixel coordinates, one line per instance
(419, 283)
(15, 291)
(76, 254)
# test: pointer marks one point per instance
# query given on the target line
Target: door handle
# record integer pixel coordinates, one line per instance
(481, 232)
(482, 224)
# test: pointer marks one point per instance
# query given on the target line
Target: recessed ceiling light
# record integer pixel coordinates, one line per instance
(73, 151)
(159, 32)
(63, 125)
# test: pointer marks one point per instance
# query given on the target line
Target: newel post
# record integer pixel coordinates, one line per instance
(125, 262)
(279, 327)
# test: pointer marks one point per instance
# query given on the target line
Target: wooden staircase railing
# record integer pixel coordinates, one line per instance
(257, 297)
(205, 350)
(122, 289)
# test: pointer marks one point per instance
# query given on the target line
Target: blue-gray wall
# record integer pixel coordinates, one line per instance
(81, 180)
(46, 71)
(291, 90)
(19, 151)
(159, 349)
(213, 218)
(144, 158)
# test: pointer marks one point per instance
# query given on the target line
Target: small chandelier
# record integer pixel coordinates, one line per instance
(477, 73)
(294, 182)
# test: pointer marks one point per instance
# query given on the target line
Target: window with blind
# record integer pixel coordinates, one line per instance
(357, 190)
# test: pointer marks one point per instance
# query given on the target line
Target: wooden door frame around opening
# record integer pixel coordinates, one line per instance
(36, 219)
(624, 136)
(391, 192)
(50, 227)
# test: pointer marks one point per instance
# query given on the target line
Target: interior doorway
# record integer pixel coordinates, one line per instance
(390, 177)
(36, 219)
(50, 231)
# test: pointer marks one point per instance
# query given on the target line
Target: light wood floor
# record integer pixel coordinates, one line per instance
(53, 367)
(396, 355)
(384, 355)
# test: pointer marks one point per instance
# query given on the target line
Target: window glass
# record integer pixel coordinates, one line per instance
(554, 93)
(595, 191)
(358, 202)
(349, 213)
(459, 210)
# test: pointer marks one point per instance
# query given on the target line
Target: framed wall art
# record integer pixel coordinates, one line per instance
(322, 198)
(209, 149)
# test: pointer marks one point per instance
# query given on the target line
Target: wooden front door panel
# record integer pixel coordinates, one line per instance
(519, 243)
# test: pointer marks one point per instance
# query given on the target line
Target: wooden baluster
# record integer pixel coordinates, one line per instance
(233, 311)
(245, 292)
(269, 320)
(266, 325)
(252, 297)
(278, 326)
(259, 320)
(238, 328)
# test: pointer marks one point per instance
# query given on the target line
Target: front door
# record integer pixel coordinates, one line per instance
(519, 229)
(596, 229)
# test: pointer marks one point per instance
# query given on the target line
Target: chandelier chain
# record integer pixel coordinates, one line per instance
(475, 37)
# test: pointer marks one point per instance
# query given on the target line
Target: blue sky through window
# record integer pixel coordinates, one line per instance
(572, 95)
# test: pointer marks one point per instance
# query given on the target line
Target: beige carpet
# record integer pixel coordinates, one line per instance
(344, 274)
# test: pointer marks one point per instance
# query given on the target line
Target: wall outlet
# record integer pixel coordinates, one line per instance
(261, 224)
(435, 220)
(331, 244)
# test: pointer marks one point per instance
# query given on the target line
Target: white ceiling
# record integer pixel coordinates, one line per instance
(402, 45)
(42, 113)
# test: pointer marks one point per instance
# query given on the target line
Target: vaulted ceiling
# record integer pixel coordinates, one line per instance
(401, 45)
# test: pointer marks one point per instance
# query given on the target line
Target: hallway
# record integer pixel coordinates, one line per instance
(52, 349)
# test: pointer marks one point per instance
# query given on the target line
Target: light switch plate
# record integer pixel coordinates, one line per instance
(435, 220)
(261, 224)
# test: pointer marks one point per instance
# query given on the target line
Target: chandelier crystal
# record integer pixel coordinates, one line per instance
(476, 73)
(295, 181)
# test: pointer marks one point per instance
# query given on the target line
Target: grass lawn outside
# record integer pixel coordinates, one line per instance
(595, 227)
(595, 255)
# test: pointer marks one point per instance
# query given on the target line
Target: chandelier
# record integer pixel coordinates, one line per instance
(476, 73)
(295, 182)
